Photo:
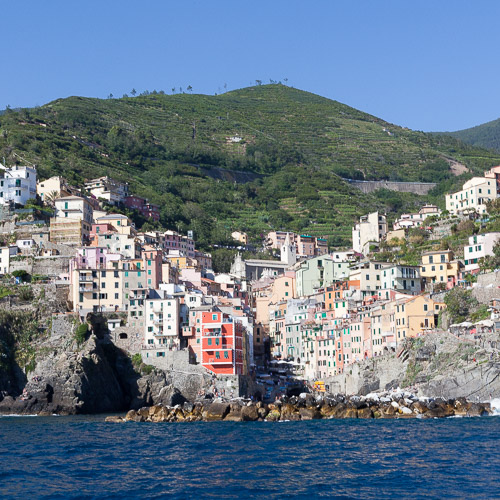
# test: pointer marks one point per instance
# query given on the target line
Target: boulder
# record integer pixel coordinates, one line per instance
(215, 411)
(348, 413)
(114, 419)
(289, 412)
(365, 413)
(273, 416)
(476, 410)
(262, 413)
(134, 416)
(249, 413)
(309, 413)
(234, 414)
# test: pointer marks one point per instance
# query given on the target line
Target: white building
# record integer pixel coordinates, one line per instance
(480, 246)
(26, 245)
(370, 229)
(475, 194)
(369, 274)
(161, 320)
(74, 207)
(73, 221)
(107, 189)
(416, 219)
(18, 185)
(402, 278)
(6, 253)
(127, 246)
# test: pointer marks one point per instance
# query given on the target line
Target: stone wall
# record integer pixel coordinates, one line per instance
(133, 341)
(487, 287)
(178, 365)
(404, 187)
(51, 266)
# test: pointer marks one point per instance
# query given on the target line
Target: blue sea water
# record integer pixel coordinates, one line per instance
(84, 457)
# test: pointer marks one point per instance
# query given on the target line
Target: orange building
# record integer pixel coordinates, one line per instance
(217, 342)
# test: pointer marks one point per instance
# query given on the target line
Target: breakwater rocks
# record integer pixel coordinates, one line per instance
(309, 407)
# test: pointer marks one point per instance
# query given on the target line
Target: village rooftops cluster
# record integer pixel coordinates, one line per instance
(319, 310)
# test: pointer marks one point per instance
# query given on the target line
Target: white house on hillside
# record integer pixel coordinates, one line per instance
(18, 185)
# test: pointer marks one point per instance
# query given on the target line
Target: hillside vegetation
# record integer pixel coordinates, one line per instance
(486, 135)
(285, 152)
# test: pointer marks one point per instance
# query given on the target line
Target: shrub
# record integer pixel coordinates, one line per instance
(21, 274)
(81, 333)
(26, 294)
(137, 360)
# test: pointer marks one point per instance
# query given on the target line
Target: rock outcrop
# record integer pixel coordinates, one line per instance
(385, 405)
(437, 365)
(91, 377)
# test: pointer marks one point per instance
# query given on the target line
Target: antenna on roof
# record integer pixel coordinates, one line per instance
(24, 159)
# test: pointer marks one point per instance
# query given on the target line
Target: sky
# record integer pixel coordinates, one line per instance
(427, 65)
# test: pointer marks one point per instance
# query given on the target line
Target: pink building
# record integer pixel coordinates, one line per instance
(176, 242)
(153, 265)
(92, 258)
(143, 206)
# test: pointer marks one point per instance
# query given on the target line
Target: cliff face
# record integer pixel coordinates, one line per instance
(437, 365)
(92, 377)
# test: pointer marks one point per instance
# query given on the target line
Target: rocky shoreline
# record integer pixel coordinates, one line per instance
(310, 407)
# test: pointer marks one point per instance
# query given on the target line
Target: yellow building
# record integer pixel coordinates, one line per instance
(112, 289)
(416, 316)
(181, 262)
(440, 267)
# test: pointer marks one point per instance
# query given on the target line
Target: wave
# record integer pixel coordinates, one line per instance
(495, 406)
(16, 415)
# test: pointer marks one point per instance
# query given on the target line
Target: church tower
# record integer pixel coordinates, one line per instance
(288, 252)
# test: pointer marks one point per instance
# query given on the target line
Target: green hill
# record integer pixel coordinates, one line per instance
(486, 135)
(285, 152)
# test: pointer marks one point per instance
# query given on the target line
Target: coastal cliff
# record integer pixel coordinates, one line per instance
(437, 365)
(65, 374)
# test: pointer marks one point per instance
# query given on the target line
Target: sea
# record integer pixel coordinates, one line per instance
(82, 457)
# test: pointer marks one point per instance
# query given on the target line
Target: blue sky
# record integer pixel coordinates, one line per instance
(426, 64)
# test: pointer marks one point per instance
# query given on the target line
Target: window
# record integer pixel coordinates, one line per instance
(214, 317)
(425, 307)
(217, 355)
(226, 355)
(209, 341)
(117, 295)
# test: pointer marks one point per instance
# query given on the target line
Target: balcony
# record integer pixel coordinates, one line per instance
(85, 279)
(214, 332)
(219, 361)
(85, 289)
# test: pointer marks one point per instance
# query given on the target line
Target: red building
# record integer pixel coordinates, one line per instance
(143, 206)
(217, 341)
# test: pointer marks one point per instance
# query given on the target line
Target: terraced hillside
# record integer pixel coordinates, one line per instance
(285, 152)
(486, 135)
